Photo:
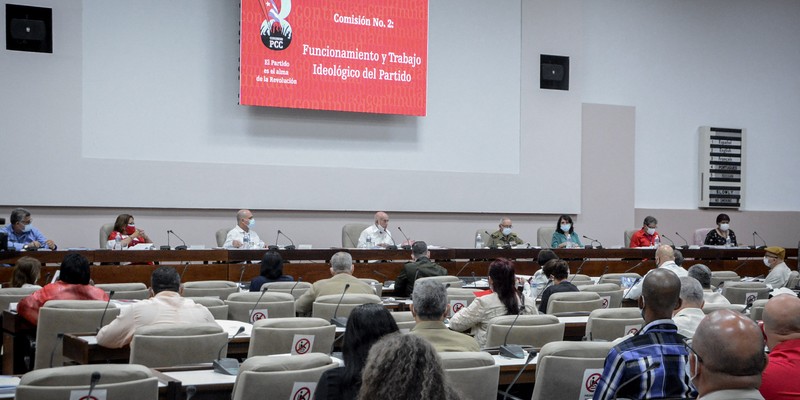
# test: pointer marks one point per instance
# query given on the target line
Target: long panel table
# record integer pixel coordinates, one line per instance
(111, 266)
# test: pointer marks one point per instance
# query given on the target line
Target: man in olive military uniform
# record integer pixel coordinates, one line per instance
(421, 267)
(503, 237)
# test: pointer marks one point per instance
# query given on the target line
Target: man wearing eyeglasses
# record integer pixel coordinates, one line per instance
(22, 235)
(651, 364)
(727, 357)
(504, 237)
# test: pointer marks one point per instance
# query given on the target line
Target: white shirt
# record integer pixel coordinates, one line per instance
(636, 291)
(687, 320)
(778, 276)
(378, 236)
(237, 233)
(710, 296)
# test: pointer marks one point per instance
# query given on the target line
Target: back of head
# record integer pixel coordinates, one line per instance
(558, 269)
(27, 270)
(74, 269)
(545, 255)
(661, 290)
(691, 292)
(430, 300)
(365, 326)
(419, 249)
(401, 367)
(702, 274)
(678, 257)
(782, 318)
(165, 279)
(272, 265)
(342, 262)
(665, 252)
(731, 345)
(501, 271)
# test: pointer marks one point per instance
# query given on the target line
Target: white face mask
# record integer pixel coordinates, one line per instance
(565, 227)
(252, 223)
(766, 261)
(724, 227)
(506, 231)
(651, 231)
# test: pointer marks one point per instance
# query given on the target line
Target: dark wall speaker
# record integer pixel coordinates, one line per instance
(554, 72)
(29, 28)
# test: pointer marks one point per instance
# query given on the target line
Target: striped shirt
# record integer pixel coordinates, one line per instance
(658, 341)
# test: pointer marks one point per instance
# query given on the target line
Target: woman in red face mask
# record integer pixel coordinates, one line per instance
(125, 228)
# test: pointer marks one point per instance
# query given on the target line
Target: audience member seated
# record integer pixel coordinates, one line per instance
(271, 271)
(703, 275)
(165, 306)
(404, 367)
(690, 312)
(719, 235)
(242, 235)
(646, 237)
(367, 324)
(782, 330)
(342, 271)
(430, 309)
(26, 273)
(778, 270)
(657, 341)
(565, 236)
(540, 280)
(678, 257)
(727, 357)
(421, 267)
(72, 284)
(504, 300)
(22, 235)
(665, 259)
(558, 271)
(377, 234)
(504, 237)
(125, 229)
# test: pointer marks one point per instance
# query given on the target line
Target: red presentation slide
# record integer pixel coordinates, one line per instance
(356, 55)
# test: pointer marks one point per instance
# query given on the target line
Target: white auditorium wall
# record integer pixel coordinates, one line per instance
(42, 123)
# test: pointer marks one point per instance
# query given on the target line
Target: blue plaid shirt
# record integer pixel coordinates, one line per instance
(657, 341)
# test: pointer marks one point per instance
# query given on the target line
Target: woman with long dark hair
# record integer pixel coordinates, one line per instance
(271, 271)
(504, 300)
(365, 326)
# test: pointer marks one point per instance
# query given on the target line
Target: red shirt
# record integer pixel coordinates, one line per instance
(779, 380)
(29, 307)
(642, 239)
(122, 236)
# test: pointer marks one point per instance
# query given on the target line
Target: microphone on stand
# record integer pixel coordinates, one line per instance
(492, 245)
(103, 315)
(474, 279)
(191, 390)
(181, 247)
(241, 275)
(289, 247)
(59, 337)
(513, 350)
(341, 322)
(183, 273)
(652, 366)
(227, 366)
(670, 240)
(762, 239)
(299, 279)
(275, 247)
(577, 271)
(634, 267)
(635, 281)
(92, 383)
(392, 246)
(747, 307)
(253, 310)
(531, 355)
(686, 242)
(462, 268)
(381, 274)
(406, 246)
(599, 245)
(605, 270)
